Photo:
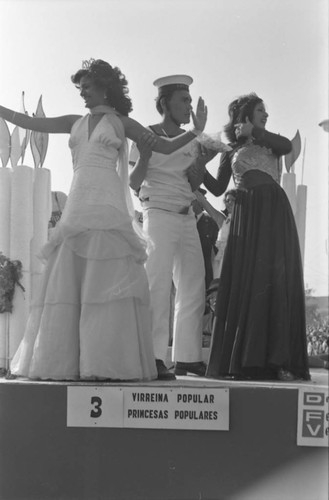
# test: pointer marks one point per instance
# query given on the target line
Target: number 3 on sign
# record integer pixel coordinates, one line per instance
(94, 406)
(96, 412)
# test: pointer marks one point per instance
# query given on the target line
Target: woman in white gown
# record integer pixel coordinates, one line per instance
(91, 318)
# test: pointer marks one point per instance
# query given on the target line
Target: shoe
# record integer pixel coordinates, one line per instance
(163, 372)
(10, 376)
(198, 368)
(285, 375)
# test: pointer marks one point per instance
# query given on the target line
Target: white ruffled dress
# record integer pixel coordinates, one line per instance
(91, 319)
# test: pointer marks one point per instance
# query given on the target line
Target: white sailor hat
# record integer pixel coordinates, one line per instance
(173, 82)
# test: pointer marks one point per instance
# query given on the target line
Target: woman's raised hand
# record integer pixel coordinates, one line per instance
(243, 129)
(200, 117)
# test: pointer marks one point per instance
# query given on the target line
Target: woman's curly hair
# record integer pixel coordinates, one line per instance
(239, 110)
(114, 83)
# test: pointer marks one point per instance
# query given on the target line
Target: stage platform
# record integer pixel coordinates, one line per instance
(270, 442)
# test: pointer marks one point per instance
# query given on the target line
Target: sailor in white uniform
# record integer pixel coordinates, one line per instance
(175, 253)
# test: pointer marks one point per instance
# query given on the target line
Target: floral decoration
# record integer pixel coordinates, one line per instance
(10, 276)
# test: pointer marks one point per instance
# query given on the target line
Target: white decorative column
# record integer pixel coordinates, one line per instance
(21, 232)
(41, 216)
(301, 217)
(5, 195)
(289, 186)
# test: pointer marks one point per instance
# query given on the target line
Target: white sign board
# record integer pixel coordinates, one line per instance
(148, 407)
(90, 406)
(177, 408)
(313, 417)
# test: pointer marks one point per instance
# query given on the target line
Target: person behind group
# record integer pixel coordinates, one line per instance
(175, 252)
(320, 359)
(259, 326)
(229, 201)
(208, 231)
(222, 220)
(91, 319)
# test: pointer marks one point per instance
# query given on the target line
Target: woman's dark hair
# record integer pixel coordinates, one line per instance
(110, 79)
(239, 110)
(164, 98)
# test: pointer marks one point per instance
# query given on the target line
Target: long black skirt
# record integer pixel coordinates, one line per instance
(259, 324)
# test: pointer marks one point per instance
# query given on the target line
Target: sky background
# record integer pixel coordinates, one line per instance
(277, 48)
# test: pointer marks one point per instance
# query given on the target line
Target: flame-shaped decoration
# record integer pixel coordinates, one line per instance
(19, 140)
(24, 134)
(4, 142)
(15, 150)
(34, 149)
(325, 125)
(39, 140)
(291, 157)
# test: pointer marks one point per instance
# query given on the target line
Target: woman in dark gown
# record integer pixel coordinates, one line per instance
(259, 326)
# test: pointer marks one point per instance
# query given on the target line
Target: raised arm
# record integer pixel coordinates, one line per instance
(134, 131)
(218, 186)
(57, 125)
(280, 145)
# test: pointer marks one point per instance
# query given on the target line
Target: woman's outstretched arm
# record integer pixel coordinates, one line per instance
(134, 131)
(56, 125)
